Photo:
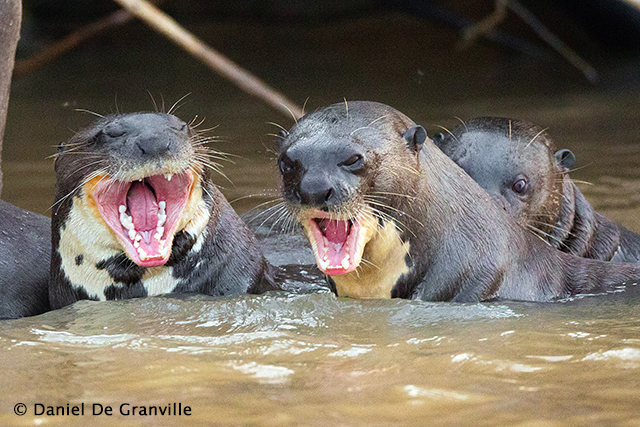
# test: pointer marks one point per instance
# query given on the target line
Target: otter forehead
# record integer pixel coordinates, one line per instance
(500, 148)
(345, 126)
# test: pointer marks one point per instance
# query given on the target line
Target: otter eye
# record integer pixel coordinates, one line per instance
(520, 186)
(285, 164)
(355, 161)
(437, 138)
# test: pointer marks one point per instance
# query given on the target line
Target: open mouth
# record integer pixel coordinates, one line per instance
(145, 214)
(336, 243)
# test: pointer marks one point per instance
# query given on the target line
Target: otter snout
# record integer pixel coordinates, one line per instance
(316, 191)
(144, 136)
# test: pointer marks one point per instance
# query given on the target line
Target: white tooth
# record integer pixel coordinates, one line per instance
(136, 244)
(159, 232)
(323, 264)
(138, 237)
(345, 262)
(142, 253)
(168, 176)
(162, 205)
(161, 219)
(126, 221)
(132, 234)
(122, 208)
(347, 257)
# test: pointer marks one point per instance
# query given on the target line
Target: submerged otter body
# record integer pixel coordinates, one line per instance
(516, 162)
(25, 248)
(389, 215)
(137, 214)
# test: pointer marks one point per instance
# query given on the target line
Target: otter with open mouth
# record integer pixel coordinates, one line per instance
(137, 214)
(389, 215)
(516, 162)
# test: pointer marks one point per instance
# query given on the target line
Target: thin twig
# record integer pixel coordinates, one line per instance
(471, 33)
(489, 24)
(554, 41)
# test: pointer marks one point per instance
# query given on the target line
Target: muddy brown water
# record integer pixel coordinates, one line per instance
(317, 359)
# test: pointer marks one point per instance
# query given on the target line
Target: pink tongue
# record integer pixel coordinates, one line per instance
(143, 207)
(336, 231)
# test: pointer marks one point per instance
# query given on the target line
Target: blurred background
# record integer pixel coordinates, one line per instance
(410, 54)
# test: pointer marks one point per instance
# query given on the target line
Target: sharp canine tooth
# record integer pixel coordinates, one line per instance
(125, 220)
(142, 253)
(324, 264)
(345, 262)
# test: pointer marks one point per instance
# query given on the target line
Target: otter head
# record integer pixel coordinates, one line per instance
(514, 162)
(348, 199)
(129, 183)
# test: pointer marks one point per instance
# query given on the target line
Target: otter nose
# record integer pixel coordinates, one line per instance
(316, 191)
(152, 146)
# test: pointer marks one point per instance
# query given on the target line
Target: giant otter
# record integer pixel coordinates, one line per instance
(514, 162)
(25, 248)
(137, 214)
(390, 215)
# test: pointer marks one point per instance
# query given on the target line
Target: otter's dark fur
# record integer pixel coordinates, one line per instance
(25, 248)
(516, 162)
(137, 213)
(365, 176)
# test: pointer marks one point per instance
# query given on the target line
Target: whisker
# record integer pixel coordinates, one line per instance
(537, 233)
(534, 138)
(175, 105)
(277, 125)
(82, 110)
(155, 106)
(463, 123)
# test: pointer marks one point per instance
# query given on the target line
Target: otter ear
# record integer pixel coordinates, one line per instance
(415, 136)
(565, 158)
(281, 138)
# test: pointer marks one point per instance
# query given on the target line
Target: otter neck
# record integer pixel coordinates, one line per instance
(383, 262)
